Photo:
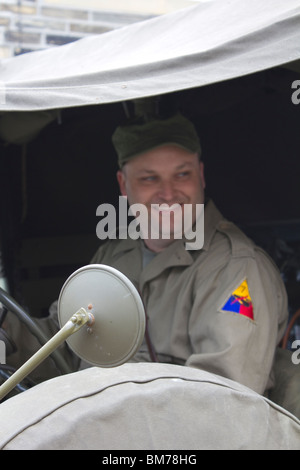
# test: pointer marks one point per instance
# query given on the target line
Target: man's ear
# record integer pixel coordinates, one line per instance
(121, 181)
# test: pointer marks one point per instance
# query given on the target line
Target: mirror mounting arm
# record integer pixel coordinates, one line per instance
(77, 321)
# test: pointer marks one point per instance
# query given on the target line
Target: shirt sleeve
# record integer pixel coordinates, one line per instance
(238, 317)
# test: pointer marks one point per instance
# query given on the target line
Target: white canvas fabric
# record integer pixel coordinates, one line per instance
(204, 44)
(144, 406)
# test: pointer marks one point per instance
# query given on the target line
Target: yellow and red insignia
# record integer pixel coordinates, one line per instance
(240, 301)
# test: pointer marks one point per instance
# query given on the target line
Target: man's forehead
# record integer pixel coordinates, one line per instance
(151, 168)
(158, 161)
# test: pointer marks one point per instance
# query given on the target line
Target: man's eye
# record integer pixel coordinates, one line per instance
(148, 178)
(183, 174)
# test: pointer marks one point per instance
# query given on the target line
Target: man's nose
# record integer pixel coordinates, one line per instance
(167, 191)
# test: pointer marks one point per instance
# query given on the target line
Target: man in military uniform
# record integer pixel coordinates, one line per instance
(221, 308)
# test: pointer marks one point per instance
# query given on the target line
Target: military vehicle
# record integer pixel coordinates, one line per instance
(233, 68)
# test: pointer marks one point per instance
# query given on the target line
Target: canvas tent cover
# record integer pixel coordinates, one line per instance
(196, 46)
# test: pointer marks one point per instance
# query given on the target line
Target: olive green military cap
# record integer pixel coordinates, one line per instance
(140, 136)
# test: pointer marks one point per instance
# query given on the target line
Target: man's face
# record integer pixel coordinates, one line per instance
(167, 175)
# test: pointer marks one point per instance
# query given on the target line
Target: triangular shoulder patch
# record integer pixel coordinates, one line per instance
(240, 301)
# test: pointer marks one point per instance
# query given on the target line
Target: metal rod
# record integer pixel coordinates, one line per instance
(77, 320)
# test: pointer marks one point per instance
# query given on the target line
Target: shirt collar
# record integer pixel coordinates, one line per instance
(212, 218)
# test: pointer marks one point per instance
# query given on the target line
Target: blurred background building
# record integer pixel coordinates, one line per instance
(28, 25)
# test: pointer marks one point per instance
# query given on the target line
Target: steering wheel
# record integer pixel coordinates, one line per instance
(12, 305)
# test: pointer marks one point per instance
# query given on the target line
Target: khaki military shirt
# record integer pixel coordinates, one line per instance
(222, 308)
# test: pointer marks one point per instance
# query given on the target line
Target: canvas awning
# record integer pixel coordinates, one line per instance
(193, 47)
